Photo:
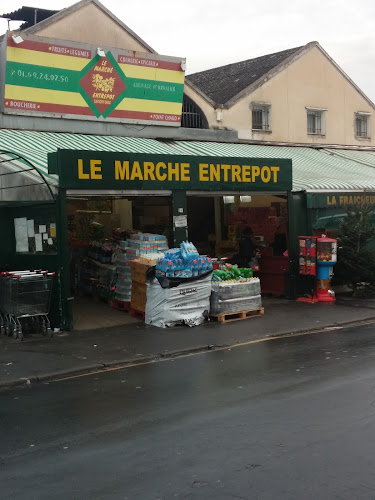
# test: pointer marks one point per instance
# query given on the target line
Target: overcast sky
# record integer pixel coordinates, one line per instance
(212, 33)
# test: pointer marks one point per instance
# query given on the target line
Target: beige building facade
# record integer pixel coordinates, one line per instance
(90, 22)
(306, 99)
(302, 98)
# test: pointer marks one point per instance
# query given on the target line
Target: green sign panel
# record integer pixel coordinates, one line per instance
(121, 171)
(339, 200)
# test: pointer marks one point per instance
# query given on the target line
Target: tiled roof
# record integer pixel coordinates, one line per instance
(223, 83)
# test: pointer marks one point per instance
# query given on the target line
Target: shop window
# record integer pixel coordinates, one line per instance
(261, 117)
(316, 121)
(362, 125)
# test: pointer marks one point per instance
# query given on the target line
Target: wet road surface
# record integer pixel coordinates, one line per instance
(292, 418)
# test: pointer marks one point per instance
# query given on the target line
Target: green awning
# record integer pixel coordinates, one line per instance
(314, 170)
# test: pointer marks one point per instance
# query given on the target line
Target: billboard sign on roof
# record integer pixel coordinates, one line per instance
(73, 80)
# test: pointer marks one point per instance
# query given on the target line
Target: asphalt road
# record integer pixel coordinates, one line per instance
(284, 419)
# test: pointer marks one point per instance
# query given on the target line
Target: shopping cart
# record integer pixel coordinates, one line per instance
(24, 302)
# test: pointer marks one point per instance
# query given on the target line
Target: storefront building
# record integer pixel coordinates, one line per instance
(174, 178)
(129, 164)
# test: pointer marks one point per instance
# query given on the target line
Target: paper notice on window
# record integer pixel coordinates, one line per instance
(50, 241)
(180, 221)
(30, 228)
(52, 230)
(20, 232)
(45, 236)
(42, 229)
(38, 243)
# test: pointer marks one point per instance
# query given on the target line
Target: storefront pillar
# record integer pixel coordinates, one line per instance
(218, 220)
(298, 225)
(64, 263)
(179, 210)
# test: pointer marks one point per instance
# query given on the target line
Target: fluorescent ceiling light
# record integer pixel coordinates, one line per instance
(245, 199)
(228, 199)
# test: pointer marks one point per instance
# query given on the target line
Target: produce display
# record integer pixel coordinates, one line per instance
(232, 273)
(234, 289)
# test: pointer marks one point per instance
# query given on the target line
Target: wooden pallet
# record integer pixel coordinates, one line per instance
(238, 315)
(121, 305)
(137, 314)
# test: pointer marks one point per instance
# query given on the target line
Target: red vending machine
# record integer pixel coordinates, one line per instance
(307, 255)
(307, 265)
(326, 259)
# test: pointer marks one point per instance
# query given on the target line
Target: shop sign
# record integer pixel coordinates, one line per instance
(110, 170)
(339, 200)
(70, 80)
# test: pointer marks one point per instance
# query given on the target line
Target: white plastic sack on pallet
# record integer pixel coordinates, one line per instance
(186, 303)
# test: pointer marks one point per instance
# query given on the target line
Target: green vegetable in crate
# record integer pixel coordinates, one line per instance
(217, 275)
(221, 275)
(246, 272)
(235, 272)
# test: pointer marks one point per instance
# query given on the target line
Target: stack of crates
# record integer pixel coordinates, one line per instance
(139, 245)
(123, 284)
(234, 296)
(139, 286)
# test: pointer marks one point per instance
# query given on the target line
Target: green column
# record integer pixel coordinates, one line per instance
(64, 262)
(298, 226)
(179, 211)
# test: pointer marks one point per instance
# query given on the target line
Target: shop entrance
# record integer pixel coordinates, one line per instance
(217, 222)
(98, 227)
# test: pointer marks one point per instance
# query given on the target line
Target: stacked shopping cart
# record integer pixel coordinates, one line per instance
(24, 302)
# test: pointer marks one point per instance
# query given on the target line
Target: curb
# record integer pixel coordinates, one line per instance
(107, 366)
(58, 375)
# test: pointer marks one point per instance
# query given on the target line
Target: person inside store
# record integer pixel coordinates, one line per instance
(280, 244)
(247, 248)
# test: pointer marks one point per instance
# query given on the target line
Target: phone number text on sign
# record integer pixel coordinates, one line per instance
(40, 76)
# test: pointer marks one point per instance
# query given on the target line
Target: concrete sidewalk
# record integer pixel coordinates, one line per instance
(39, 358)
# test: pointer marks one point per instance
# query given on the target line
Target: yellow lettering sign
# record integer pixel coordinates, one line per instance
(96, 169)
(136, 172)
(236, 173)
(246, 173)
(203, 172)
(214, 172)
(275, 171)
(255, 171)
(159, 166)
(81, 174)
(148, 171)
(265, 174)
(121, 170)
(226, 169)
(174, 171)
(185, 172)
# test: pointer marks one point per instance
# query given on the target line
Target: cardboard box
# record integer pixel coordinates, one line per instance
(139, 296)
(138, 271)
